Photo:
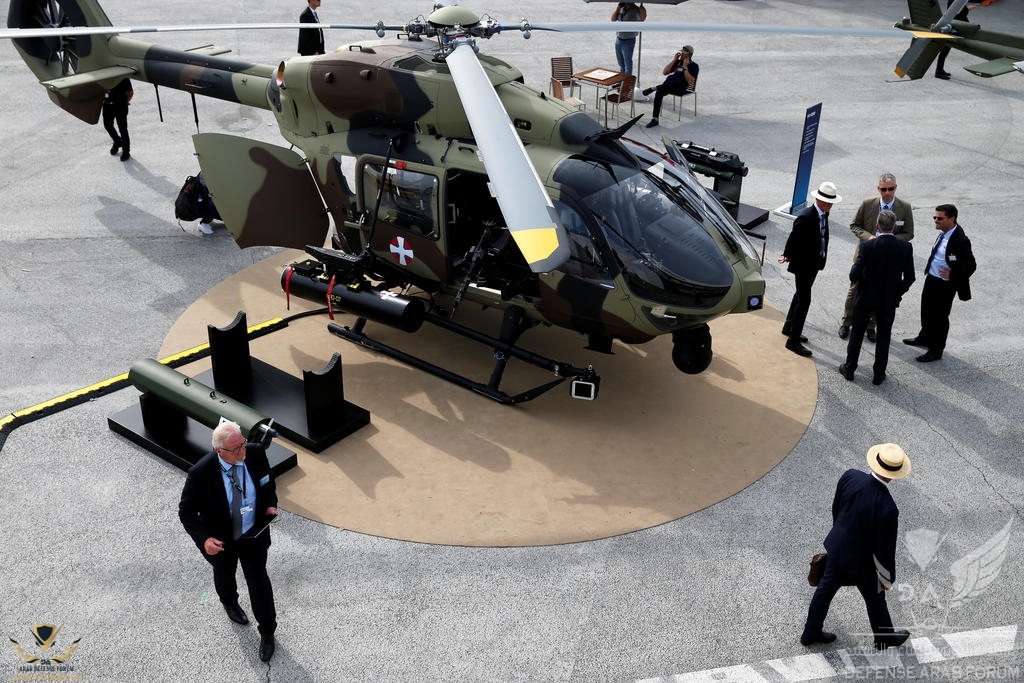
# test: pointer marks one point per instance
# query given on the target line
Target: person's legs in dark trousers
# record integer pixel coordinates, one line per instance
(883, 328)
(860, 324)
(108, 124)
(800, 305)
(874, 600)
(940, 63)
(831, 582)
(225, 564)
(936, 304)
(659, 95)
(252, 553)
(121, 118)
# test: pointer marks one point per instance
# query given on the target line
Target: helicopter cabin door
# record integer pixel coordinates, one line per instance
(406, 230)
(264, 193)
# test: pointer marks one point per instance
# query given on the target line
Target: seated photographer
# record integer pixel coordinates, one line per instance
(682, 74)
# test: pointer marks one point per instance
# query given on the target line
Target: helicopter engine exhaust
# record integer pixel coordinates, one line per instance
(307, 280)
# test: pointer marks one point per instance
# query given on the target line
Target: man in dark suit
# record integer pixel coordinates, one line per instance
(862, 546)
(863, 227)
(947, 273)
(311, 42)
(805, 252)
(115, 110)
(882, 273)
(228, 500)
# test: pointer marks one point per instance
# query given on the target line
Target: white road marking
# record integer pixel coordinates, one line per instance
(851, 661)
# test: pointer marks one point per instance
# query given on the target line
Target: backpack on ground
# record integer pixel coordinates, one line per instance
(187, 204)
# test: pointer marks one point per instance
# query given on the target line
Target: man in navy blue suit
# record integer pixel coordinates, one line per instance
(805, 253)
(882, 273)
(862, 546)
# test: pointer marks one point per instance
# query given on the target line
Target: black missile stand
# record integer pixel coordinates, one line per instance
(311, 411)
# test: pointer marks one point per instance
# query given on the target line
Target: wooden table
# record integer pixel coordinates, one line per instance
(603, 80)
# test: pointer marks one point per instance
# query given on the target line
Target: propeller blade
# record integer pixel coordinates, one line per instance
(525, 204)
(950, 13)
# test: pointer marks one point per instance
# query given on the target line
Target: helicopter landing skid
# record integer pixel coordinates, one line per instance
(585, 382)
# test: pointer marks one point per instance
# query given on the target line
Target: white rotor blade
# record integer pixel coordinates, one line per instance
(524, 202)
(10, 33)
(646, 27)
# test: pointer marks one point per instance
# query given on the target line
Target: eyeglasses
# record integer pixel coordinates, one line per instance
(236, 449)
(887, 189)
(939, 218)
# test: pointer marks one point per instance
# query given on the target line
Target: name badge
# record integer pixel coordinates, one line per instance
(951, 257)
(899, 224)
(265, 480)
(246, 509)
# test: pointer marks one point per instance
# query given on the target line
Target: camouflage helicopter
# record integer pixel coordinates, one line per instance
(1002, 52)
(468, 187)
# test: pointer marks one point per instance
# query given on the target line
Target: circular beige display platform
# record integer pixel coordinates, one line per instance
(440, 464)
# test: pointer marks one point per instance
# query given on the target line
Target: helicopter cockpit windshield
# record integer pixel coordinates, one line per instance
(660, 242)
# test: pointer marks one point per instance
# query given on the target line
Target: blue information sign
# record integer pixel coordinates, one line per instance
(803, 167)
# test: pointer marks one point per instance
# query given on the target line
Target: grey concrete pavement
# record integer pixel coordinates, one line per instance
(94, 270)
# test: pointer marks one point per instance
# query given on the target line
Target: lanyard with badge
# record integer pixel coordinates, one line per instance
(230, 472)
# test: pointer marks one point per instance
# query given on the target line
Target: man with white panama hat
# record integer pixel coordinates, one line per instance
(805, 252)
(862, 546)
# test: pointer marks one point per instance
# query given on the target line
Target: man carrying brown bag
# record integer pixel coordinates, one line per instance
(862, 546)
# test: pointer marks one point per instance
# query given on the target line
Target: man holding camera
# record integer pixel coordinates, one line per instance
(682, 74)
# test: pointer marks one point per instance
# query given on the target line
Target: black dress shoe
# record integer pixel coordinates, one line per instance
(944, 75)
(914, 341)
(823, 637)
(846, 372)
(267, 647)
(894, 639)
(125, 156)
(878, 378)
(115, 148)
(236, 614)
(647, 91)
(871, 336)
(799, 349)
(652, 123)
(927, 357)
(844, 331)
(785, 333)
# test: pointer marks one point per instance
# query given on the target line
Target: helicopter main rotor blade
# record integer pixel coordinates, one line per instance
(647, 27)
(525, 204)
(11, 33)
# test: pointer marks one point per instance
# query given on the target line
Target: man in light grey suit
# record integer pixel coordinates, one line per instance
(863, 226)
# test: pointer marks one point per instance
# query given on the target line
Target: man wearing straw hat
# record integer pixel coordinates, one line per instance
(862, 546)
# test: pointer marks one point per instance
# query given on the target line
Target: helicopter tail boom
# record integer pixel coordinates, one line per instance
(77, 70)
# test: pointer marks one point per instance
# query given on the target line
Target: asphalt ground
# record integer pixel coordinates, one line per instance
(94, 270)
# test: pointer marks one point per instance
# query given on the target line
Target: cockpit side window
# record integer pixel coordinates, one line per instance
(585, 254)
(408, 198)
